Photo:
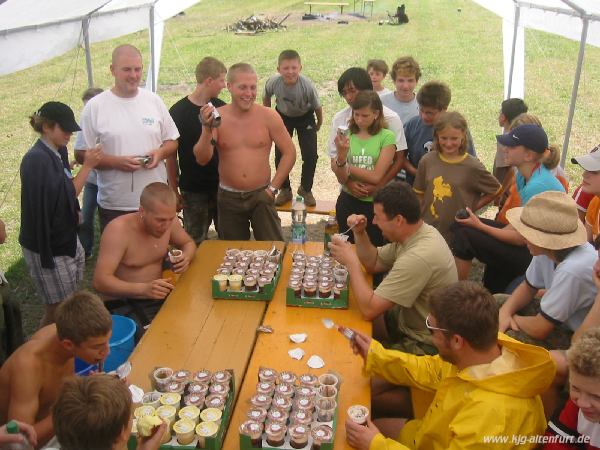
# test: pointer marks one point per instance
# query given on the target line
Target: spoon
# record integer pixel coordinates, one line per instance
(329, 324)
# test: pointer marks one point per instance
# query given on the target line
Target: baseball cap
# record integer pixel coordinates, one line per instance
(531, 136)
(589, 162)
(61, 114)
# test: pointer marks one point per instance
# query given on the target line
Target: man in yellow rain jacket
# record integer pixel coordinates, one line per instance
(487, 386)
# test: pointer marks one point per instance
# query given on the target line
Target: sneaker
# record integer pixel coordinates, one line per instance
(309, 199)
(284, 196)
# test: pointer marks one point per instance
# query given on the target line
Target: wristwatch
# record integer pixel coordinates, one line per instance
(337, 163)
(273, 190)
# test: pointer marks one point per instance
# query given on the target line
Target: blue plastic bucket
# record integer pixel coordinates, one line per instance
(121, 345)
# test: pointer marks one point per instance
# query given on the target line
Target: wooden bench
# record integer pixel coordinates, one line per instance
(340, 4)
(192, 331)
(323, 207)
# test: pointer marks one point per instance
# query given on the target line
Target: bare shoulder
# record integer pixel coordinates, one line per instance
(119, 229)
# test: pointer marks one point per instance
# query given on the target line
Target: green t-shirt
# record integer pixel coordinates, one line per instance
(364, 153)
(420, 265)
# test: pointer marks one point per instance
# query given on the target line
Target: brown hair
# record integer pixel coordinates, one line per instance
(434, 94)
(378, 65)
(468, 309)
(209, 67)
(37, 122)
(551, 157)
(157, 191)
(368, 99)
(91, 412)
(81, 316)
(406, 65)
(454, 120)
(239, 67)
(288, 55)
(584, 354)
(90, 93)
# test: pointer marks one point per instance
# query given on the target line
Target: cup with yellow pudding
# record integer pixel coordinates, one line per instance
(185, 431)
(204, 431)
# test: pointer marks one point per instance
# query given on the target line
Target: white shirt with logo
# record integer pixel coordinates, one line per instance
(127, 127)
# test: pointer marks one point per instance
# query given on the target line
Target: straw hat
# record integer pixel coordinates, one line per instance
(549, 220)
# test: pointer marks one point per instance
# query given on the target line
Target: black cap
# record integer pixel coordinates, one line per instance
(531, 136)
(61, 114)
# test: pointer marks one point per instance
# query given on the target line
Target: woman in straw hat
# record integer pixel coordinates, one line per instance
(562, 265)
(493, 242)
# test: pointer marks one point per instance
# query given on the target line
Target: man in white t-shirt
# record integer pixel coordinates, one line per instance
(350, 83)
(136, 133)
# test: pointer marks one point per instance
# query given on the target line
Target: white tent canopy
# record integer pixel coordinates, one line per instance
(32, 31)
(578, 20)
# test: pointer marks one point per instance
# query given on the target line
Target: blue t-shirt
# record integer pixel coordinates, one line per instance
(541, 180)
(419, 140)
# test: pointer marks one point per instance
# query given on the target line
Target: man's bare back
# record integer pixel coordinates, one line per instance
(32, 376)
(244, 143)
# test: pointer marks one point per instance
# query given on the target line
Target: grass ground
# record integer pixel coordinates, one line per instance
(455, 41)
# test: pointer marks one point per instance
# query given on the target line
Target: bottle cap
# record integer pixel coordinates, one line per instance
(12, 427)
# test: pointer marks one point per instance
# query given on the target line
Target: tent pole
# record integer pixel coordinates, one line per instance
(88, 56)
(152, 50)
(514, 46)
(583, 39)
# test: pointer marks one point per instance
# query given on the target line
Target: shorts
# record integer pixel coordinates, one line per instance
(56, 284)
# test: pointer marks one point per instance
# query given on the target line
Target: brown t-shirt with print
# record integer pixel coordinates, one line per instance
(448, 186)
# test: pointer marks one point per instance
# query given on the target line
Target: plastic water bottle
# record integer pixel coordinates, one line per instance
(298, 221)
(331, 228)
(12, 427)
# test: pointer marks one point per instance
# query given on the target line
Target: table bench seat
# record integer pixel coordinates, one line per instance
(323, 207)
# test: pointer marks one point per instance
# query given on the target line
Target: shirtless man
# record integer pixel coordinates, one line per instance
(31, 378)
(132, 250)
(244, 139)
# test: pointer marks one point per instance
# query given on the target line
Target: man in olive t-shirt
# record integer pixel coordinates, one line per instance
(417, 260)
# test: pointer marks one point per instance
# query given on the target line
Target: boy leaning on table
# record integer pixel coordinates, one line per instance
(32, 376)
(487, 386)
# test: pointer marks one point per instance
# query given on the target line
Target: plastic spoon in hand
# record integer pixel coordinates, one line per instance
(347, 332)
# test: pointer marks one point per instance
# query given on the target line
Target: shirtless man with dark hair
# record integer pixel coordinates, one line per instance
(243, 140)
(132, 250)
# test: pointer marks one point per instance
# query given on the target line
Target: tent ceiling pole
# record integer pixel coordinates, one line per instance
(88, 55)
(514, 46)
(152, 50)
(584, 30)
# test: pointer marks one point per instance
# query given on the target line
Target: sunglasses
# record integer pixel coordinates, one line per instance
(431, 328)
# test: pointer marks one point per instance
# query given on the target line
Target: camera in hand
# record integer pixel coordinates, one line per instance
(462, 214)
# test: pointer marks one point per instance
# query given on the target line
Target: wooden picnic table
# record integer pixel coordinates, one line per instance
(192, 331)
(271, 351)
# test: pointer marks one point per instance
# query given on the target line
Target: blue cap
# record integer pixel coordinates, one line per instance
(531, 136)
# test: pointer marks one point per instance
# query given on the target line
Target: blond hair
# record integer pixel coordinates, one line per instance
(239, 67)
(584, 355)
(452, 119)
(209, 67)
(81, 316)
(551, 157)
(406, 65)
(157, 191)
(91, 412)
